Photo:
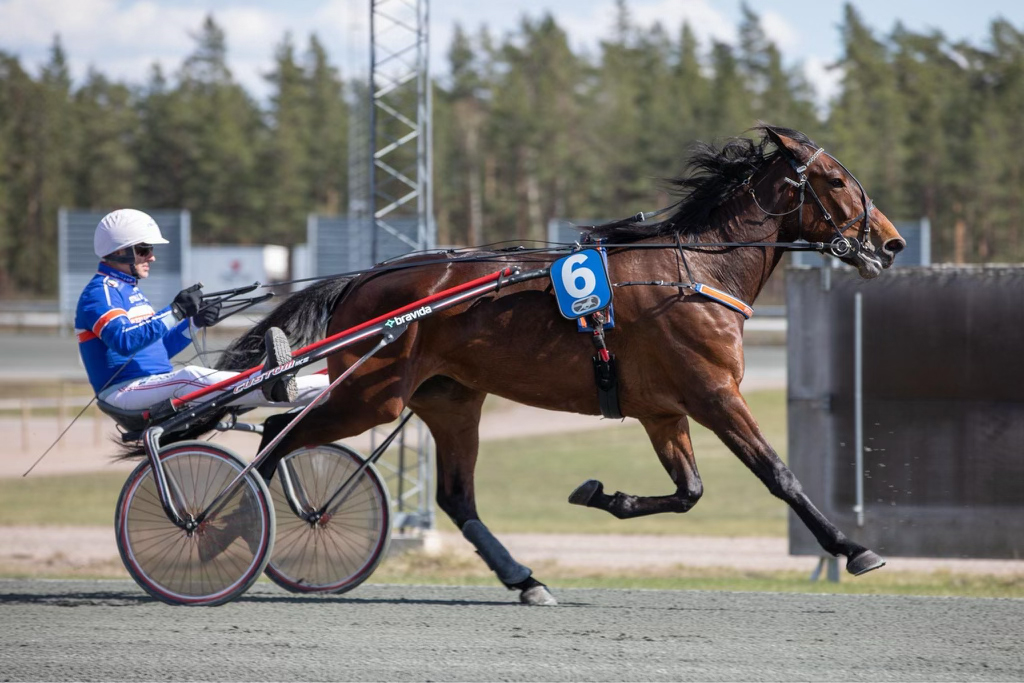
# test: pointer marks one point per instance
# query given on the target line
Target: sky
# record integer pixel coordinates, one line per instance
(123, 38)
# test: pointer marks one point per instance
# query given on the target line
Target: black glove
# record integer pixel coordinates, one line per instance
(207, 315)
(186, 303)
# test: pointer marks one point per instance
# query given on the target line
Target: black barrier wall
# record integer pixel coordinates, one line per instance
(943, 408)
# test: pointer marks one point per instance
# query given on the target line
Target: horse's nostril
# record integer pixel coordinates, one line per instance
(894, 246)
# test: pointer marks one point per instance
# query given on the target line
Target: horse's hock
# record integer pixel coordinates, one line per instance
(943, 408)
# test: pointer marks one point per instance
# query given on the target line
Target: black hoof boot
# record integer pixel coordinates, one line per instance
(863, 562)
(586, 492)
(279, 352)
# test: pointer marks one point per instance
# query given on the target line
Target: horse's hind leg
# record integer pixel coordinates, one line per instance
(325, 423)
(729, 417)
(452, 413)
(670, 437)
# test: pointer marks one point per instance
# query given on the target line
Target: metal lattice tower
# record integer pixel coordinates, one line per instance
(401, 203)
(400, 113)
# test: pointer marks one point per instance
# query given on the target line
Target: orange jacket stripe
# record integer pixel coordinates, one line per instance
(106, 318)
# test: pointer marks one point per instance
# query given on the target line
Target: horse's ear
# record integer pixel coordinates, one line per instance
(781, 141)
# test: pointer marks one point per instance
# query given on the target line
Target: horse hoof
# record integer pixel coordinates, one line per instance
(863, 562)
(585, 492)
(537, 595)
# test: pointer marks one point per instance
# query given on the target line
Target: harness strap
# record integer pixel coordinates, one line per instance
(682, 253)
(726, 300)
(716, 295)
(605, 371)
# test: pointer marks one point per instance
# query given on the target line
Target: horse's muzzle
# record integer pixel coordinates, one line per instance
(870, 262)
(890, 249)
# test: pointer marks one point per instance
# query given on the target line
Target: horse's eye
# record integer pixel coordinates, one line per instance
(836, 182)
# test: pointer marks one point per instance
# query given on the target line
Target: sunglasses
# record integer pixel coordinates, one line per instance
(143, 250)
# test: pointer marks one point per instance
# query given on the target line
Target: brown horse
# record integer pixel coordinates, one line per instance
(679, 353)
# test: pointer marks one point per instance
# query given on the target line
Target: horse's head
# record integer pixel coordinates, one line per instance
(836, 209)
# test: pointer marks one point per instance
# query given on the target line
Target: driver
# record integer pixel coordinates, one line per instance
(126, 345)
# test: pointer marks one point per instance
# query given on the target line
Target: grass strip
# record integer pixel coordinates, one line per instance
(522, 485)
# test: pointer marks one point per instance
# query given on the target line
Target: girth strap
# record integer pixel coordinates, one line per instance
(605, 372)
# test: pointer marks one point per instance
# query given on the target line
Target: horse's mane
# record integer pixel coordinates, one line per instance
(712, 176)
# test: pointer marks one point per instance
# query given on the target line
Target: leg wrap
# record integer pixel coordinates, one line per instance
(494, 553)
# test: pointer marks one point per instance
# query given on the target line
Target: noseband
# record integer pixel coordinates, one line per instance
(841, 246)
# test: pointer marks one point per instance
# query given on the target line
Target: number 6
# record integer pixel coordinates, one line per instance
(571, 274)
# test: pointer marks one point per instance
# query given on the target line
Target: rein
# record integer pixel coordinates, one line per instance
(839, 247)
(556, 247)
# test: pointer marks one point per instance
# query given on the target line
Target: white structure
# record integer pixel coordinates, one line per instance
(227, 266)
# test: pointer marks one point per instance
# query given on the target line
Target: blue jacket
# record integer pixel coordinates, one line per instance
(116, 325)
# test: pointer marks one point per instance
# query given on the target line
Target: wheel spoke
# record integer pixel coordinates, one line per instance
(213, 563)
(341, 553)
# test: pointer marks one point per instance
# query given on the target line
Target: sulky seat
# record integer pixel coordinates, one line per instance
(130, 420)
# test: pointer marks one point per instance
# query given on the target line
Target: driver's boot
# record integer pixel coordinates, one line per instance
(279, 352)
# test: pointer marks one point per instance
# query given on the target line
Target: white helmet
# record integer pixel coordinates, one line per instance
(125, 228)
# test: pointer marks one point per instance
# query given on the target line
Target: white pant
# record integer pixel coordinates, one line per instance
(146, 392)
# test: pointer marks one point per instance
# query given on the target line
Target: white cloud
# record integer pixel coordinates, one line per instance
(123, 40)
(707, 22)
(24, 23)
(585, 22)
(780, 31)
(587, 26)
(826, 81)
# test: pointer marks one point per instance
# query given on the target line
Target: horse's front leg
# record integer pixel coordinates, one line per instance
(452, 413)
(728, 416)
(670, 437)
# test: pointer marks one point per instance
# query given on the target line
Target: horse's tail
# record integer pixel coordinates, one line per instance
(303, 317)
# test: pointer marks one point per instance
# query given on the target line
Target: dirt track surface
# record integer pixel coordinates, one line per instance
(107, 630)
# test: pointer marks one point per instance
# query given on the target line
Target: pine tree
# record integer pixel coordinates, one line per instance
(18, 95)
(327, 139)
(525, 130)
(1007, 163)
(533, 127)
(659, 116)
(930, 84)
(691, 95)
(730, 110)
(780, 96)
(105, 166)
(461, 198)
(623, 180)
(222, 129)
(162, 148)
(284, 177)
(868, 122)
(48, 173)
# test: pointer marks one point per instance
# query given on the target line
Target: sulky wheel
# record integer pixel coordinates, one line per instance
(217, 561)
(338, 551)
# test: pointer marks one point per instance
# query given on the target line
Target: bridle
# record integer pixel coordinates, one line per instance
(841, 246)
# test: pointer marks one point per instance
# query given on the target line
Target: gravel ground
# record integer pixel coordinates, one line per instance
(109, 631)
